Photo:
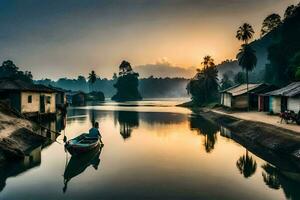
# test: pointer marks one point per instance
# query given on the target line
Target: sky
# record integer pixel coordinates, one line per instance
(54, 38)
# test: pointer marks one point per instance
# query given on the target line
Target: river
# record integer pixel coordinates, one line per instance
(153, 150)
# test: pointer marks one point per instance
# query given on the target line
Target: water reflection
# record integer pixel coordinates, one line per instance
(127, 121)
(246, 164)
(206, 128)
(78, 164)
(31, 160)
(163, 149)
(51, 128)
(275, 178)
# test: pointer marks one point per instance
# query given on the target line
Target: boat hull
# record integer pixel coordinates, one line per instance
(82, 144)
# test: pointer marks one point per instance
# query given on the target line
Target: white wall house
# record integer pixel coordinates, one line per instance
(286, 98)
(237, 97)
(28, 98)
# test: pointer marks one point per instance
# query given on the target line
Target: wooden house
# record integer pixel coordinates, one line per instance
(237, 96)
(76, 98)
(286, 98)
(27, 98)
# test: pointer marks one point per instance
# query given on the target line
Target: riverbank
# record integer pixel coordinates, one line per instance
(16, 136)
(253, 133)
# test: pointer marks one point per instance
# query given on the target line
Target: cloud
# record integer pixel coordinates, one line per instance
(163, 68)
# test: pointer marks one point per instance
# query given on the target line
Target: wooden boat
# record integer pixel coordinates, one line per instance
(81, 144)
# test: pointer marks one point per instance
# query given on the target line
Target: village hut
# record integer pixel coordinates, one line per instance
(286, 98)
(76, 98)
(237, 97)
(27, 98)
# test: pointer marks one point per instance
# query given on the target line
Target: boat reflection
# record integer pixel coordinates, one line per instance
(78, 164)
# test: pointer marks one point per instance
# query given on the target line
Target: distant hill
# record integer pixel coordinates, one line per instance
(230, 67)
(260, 46)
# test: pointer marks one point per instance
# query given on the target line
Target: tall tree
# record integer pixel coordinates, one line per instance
(127, 84)
(92, 79)
(245, 33)
(204, 86)
(246, 56)
(247, 60)
(270, 23)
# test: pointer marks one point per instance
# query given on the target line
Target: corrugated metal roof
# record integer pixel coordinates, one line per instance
(241, 89)
(291, 90)
(11, 84)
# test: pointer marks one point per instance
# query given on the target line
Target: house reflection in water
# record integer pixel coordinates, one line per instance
(51, 128)
(31, 160)
(225, 132)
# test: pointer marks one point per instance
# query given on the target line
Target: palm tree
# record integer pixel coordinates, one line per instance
(245, 33)
(247, 60)
(246, 56)
(92, 78)
(246, 165)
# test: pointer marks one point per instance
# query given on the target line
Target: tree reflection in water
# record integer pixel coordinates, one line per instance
(127, 121)
(246, 165)
(289, 181)
(206, 128)
(270, 176)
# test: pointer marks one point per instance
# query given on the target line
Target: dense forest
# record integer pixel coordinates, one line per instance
(149, 87)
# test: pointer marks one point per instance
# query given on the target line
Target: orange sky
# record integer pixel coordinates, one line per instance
(64, 39)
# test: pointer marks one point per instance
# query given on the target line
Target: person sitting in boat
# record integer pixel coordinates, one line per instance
(94, 132)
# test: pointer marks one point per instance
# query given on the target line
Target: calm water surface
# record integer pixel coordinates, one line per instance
(152, 150)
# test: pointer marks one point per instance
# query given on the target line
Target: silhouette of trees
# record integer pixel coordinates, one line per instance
(290, 10)
(226, 82)
(282, 53)
(270, 23)
(204, 86)
(246, 165)
(127, 84)
(9, 70)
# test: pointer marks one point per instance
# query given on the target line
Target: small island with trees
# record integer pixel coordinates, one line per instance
(127, 84)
